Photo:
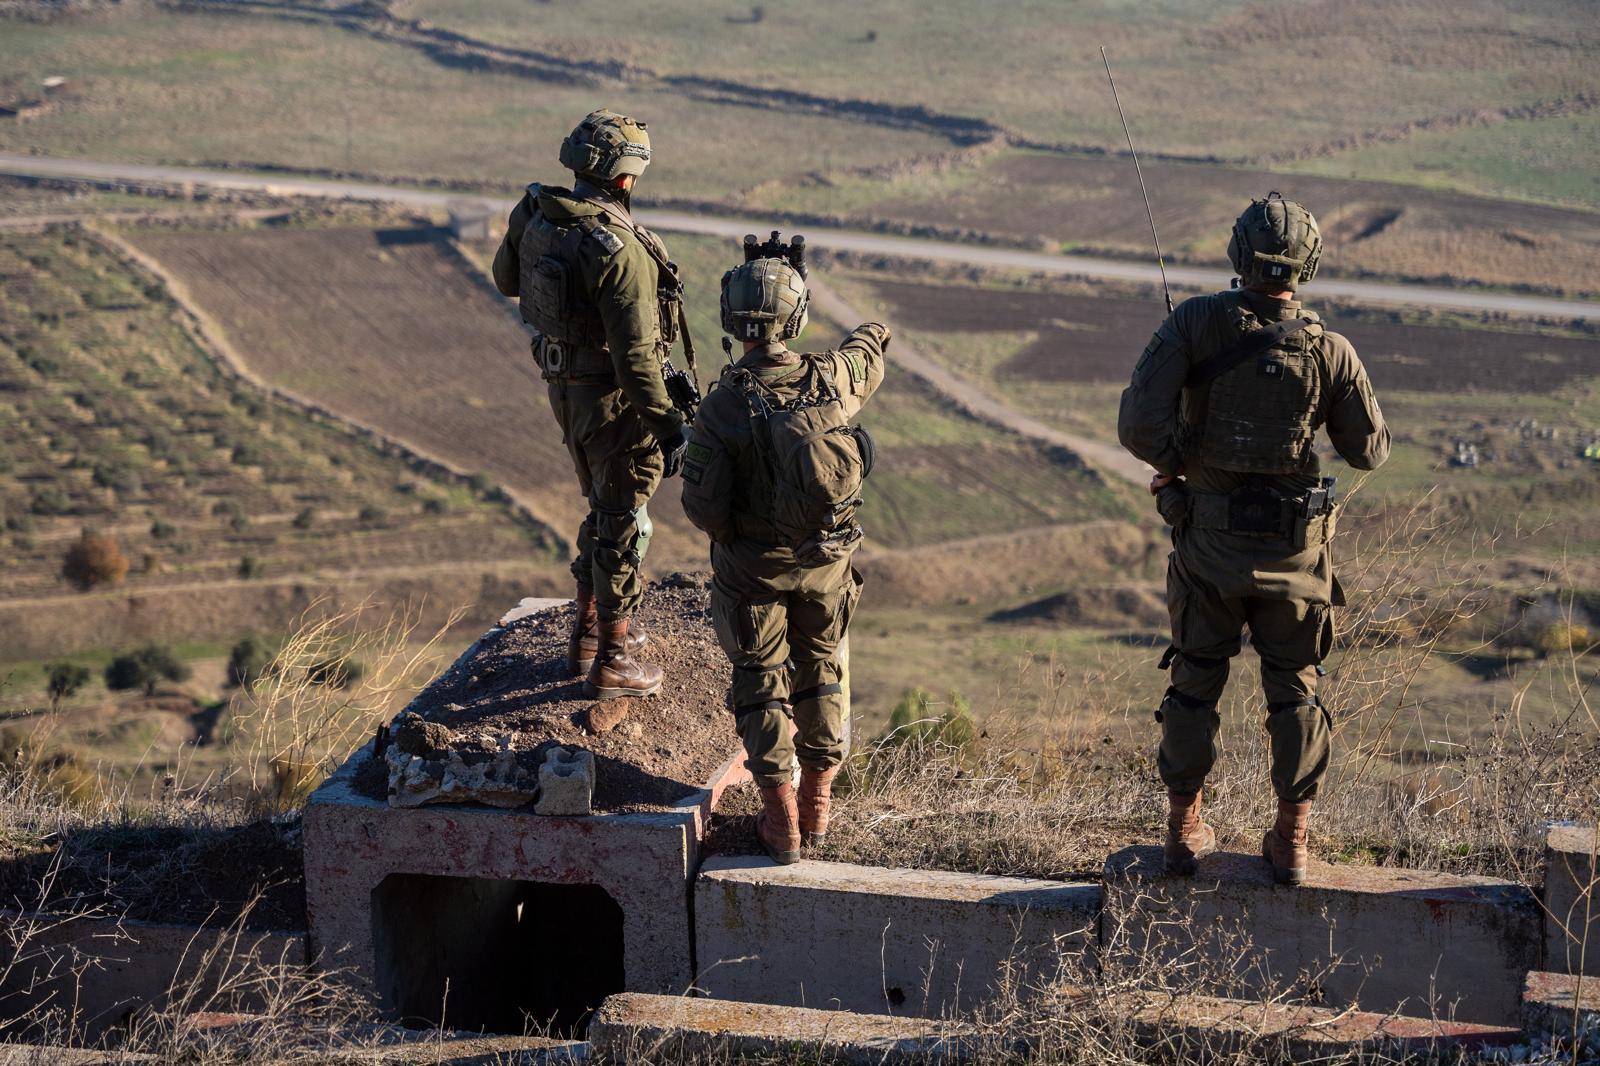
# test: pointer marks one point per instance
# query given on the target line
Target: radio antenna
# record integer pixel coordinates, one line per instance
(1160, 262)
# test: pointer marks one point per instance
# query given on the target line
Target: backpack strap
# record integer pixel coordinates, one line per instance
(1251, 345)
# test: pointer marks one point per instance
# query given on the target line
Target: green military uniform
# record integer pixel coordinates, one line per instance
(1250, 526)
(779, 621)
(605, 373)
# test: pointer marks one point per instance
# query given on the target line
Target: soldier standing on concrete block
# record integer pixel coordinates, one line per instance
(1225, 404)
(606, 305)
(774, 475)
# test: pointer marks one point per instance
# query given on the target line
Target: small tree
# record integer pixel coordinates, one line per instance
(63, 681)
(145, 668)
(247, 661)
(919, 716)
(305, 518)
(249, 567)
(94, 560)
(371, 517)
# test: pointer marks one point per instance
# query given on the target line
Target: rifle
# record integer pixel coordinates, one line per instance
(1161, 263)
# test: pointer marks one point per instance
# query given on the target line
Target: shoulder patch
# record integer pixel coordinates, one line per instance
(697, 453)
(858, 367)
(606, 239)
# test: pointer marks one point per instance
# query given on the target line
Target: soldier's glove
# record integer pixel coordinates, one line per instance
(673, 446)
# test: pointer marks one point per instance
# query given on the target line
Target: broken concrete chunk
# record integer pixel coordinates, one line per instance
(566, 783)
(423, 769)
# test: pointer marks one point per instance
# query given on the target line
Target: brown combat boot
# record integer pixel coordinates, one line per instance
(778, 824)
(816, 798)
(1188, 838)
(615, 672)
(585, 639)
(1284, 846)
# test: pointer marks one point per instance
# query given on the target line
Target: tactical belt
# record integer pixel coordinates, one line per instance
(560, 361)
(1262, 511)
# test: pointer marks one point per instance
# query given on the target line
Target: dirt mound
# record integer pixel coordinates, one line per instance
(1003, 566)
(513, 684)
(1102, 606)
(164, 873)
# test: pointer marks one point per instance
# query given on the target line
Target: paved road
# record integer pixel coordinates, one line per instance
(837, 240)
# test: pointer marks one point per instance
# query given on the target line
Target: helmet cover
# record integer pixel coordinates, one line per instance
(1275, 242)
(605, 146)
(764, 300)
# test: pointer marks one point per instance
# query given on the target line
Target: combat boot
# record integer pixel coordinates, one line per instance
(816, 798)
(1188, 838)
(1284, 846)
(615, 672)
(585, 639)
(778, 824)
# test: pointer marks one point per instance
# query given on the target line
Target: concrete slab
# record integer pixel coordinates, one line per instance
(872, 940)
(633, 1027)
(1561, 1005)
(1384, 939)
(107, 970)
(566, 783)
(1572, 906)
(1197, 1028)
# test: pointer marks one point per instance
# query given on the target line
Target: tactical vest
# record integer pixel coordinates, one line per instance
(554, 300)
(1258, 417)
(812, 464)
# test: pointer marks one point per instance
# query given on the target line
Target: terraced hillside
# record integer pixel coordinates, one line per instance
(394, 329)
(115, 419)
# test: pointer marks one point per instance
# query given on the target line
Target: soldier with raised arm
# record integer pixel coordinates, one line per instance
(1225, 403)
(773, 474)
(605, 304)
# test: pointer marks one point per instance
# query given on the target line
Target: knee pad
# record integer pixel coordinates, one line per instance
(617, 539)
(646, 528)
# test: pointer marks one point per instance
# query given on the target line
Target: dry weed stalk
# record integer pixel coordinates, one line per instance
(295, 723)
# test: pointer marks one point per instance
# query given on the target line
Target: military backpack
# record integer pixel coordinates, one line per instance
(815, 461)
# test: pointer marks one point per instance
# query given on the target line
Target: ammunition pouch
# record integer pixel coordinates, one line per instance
(1258, 510)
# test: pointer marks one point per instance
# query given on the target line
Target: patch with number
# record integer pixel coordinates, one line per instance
(697, 453)
(606, 239)
(693, 473)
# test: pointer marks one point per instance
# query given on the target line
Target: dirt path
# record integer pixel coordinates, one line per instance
(1107, 458)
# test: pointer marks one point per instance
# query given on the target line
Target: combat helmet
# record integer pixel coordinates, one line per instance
(764, 300)
(606, 146)
(1275, 241)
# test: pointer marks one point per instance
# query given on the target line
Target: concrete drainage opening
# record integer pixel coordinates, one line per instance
(491, 956)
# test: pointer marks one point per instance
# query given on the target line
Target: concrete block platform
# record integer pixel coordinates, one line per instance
(882, 941)
(1407, 941)
(443, 912)
(110, 969)
(1571, 903)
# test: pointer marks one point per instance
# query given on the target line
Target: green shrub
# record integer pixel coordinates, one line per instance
(919, 717)
(248, 661)
(145, 668)
(63, 681)
(306, 518)
(250, 567)
(372, 517)
(160, 530)
(335, 673)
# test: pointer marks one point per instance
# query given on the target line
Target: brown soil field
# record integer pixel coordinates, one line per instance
(1393, 230)
(1098, 338)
